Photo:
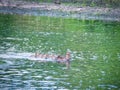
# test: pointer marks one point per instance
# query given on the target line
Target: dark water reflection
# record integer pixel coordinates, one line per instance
(94, 47)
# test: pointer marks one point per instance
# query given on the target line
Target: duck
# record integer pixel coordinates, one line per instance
(64, 59)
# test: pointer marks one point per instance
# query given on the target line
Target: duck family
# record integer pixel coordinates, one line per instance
(57, 58)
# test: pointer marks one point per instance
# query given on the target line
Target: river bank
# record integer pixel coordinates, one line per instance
(61, 10)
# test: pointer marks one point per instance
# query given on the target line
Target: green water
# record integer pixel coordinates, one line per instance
(94, 46)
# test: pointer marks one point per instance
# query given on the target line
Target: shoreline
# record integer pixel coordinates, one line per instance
(62, 10)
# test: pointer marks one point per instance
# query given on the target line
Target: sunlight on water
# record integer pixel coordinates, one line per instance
(93, 46)
(28, 78)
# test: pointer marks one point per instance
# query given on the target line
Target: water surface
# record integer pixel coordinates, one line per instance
(94, 46)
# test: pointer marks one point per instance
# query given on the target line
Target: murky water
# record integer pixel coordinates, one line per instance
(94, 46)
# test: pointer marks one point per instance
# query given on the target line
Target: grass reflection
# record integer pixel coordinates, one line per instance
(94, 47)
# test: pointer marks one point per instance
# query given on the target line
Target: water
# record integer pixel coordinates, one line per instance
(94, 47)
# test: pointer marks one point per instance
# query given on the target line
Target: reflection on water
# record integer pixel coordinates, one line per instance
(94, 47)
(19, 74)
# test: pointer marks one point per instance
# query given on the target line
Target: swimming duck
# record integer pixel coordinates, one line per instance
(64, 59)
